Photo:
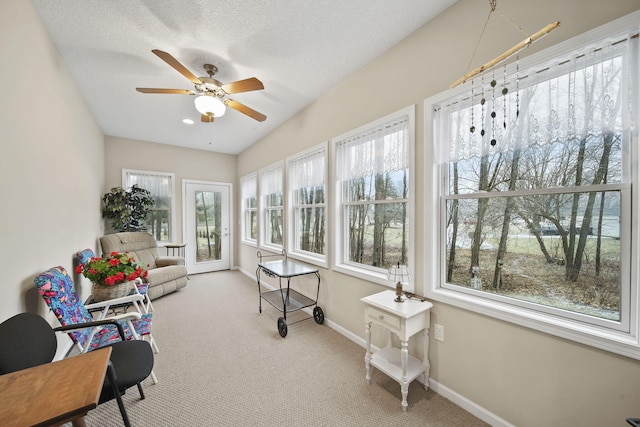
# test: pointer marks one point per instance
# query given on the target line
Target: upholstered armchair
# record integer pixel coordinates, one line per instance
(166, 274)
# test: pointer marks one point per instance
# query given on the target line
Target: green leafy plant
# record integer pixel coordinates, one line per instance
(127, 209)
(112, 270)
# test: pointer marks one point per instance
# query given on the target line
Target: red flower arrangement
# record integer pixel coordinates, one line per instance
(113, 270)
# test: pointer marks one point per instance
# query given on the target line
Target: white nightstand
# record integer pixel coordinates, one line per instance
(404, 319)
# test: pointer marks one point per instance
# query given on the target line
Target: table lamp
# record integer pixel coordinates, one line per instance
(398, 273)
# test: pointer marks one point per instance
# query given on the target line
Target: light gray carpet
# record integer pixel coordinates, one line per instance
(222, 363)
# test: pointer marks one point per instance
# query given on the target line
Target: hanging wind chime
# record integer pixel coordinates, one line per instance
(491, 65)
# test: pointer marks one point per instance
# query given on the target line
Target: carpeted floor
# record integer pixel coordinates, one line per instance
(222, 363)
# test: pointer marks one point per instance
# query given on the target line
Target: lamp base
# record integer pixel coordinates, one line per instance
(399, 293)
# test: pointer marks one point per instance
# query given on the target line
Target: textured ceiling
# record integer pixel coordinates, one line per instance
(298, 48)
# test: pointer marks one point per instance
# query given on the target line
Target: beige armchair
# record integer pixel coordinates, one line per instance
(166, 273)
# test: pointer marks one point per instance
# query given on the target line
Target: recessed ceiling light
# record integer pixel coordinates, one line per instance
(188, 121)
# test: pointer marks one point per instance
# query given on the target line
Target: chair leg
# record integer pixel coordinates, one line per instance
(154, 346)
(114, 385)
(149, 306)
(141, 392)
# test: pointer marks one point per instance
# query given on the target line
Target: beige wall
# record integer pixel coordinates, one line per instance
(522, 376)
(123, 153)
(51, 166)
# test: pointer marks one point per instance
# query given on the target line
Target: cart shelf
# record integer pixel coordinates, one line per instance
(296, 300)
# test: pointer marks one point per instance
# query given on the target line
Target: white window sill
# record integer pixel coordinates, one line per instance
(371, 276)
(310, 259)
(251, 243)
(626, 344)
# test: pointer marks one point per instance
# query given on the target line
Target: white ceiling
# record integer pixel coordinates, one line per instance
(298, 48)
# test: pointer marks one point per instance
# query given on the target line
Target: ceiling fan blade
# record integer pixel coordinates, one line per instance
(245, 110)
(206, 118)
(245, 85)
(174, 91)
(177, 66)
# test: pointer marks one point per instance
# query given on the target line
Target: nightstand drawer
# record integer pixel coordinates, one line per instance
(385, 318)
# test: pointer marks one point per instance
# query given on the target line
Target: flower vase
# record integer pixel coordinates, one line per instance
(103, 292)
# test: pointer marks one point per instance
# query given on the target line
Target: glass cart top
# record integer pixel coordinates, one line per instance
(288, 268)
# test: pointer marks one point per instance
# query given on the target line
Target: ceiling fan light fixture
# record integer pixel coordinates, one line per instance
(207, 104)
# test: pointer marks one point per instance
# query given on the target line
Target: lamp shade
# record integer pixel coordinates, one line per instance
(210, 105)
(399, 273)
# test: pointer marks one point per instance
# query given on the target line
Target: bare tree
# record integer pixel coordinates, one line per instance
(453, 221)
(506, 220)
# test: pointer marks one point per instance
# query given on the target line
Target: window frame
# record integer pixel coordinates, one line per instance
(172, 208)
(626, 343)
(264, 210)
(246, 210)
(340, 264)
(292, 207)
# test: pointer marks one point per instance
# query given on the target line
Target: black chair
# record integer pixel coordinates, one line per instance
(27, 340)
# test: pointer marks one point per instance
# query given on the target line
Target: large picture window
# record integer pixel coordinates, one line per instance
(306, 176)
(272, 207)
(536, 199)
(373, 192)
(160, 221)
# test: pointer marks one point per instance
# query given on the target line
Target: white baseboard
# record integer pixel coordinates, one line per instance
(468, 405)
(442, 390)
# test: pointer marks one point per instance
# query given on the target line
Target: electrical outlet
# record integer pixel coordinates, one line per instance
(439, 333)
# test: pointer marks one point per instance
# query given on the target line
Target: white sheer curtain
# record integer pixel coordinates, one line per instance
(160, 185)
(248, 187)
(271, 180)
(384, 148)
(584, 93)
(307, 170)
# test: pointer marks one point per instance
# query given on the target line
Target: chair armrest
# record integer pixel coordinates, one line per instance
(122, 300)
(96, 324)
(77, 326)
(163, 261)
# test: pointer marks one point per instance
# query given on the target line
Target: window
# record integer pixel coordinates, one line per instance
(306, 175)
(271, 198)
(249, 209)
(374, 197)
(535, 201)
(160, 221)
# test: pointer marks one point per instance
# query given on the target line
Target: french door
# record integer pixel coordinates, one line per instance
(207, 209)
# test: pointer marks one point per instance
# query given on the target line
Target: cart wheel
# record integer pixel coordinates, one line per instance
(318, 315)
(282, 327)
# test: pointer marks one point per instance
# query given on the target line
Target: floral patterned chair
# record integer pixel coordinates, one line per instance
(56, 288)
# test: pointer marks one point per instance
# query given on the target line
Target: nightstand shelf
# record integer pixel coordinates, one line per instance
(388, 360)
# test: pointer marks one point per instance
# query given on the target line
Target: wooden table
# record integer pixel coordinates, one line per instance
(53, 393)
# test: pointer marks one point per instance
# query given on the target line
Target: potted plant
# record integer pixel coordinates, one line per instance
(127, 209)
(111, 276)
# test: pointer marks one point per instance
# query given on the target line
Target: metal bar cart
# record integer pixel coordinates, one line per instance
(286, 299)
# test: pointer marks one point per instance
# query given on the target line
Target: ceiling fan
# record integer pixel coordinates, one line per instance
(211, 98)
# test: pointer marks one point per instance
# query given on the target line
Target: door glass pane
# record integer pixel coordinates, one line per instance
(208, 226)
